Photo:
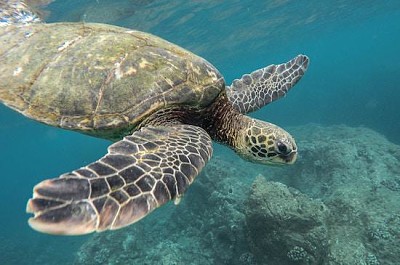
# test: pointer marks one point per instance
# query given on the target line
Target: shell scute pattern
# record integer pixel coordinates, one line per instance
(100, 79)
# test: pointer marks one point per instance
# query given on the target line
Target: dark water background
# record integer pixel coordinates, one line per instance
(353, 79)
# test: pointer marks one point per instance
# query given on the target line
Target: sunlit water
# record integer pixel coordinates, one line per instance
(352, 79)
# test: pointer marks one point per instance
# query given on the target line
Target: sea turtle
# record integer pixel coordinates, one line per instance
(161, 105)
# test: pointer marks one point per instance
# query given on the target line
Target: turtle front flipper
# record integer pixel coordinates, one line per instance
(261, 87)
(138, 174)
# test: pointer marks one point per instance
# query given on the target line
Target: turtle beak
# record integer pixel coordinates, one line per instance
(290, 158)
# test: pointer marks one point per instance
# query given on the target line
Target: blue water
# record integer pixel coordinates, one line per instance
(353, 79)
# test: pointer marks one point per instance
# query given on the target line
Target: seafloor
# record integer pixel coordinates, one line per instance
(338, 205)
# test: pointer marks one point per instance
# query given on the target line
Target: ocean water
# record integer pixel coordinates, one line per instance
(352, 80)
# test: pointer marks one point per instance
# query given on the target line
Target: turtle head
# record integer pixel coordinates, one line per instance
(265, 143)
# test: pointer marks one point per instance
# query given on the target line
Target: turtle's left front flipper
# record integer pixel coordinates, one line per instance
(138, 174)
(261, 87)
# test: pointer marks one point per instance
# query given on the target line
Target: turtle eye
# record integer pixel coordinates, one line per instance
(282, 148)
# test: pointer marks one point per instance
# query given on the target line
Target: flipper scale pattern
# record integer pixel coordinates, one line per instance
(138, 174)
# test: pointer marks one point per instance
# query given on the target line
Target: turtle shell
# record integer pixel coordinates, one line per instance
(96, 78)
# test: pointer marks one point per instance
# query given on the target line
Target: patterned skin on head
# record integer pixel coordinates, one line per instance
(265, 143)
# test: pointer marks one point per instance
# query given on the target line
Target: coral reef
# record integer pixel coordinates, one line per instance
(355, 172)
(337, 205)
(284, 225)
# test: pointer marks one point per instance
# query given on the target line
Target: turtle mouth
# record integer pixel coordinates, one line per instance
(287, 159)
(290, 158)
(280, 160)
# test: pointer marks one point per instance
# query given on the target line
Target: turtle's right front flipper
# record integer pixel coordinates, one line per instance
(261, 87)
(139, 173)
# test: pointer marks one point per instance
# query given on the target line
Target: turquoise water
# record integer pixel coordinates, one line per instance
(352, 80)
